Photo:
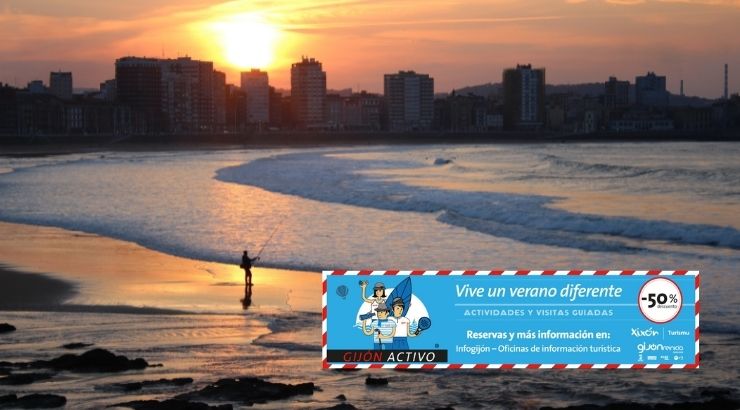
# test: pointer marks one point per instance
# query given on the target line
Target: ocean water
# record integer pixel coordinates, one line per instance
(549, 206)
(559, 206)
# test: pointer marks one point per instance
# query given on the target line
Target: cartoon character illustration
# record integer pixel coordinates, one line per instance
(403, 326)
(381, 329)
(397, 319)
(377, 298)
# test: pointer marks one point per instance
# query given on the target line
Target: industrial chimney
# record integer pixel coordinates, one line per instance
(726, 96)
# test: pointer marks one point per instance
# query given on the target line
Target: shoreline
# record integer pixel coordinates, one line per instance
(19, 147)
(64, 270)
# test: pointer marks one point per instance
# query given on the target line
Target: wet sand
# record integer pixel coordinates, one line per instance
(47, 266)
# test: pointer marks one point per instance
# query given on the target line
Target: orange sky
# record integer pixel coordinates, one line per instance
(457, 42)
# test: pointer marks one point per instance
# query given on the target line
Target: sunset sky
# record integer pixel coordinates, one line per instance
(457, 42)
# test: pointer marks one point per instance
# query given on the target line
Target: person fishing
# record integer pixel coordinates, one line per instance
(247, 261)
(247, 266)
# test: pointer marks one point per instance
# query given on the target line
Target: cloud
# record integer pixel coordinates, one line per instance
(729, 3)
(625, 2)
(468, 22)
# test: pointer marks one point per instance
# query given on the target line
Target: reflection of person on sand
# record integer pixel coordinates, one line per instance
(247, 266)
(377, 298)
(247, 301)
(381, 329)
(403, 326)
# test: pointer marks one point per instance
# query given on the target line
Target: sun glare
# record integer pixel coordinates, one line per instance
(247, 40)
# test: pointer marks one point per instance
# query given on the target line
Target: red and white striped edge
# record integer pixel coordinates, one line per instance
(326, 365)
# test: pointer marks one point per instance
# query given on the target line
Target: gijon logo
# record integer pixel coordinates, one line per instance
(658, 347)
(649, 332)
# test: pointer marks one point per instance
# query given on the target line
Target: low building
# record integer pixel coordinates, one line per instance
(362, 111)
(461, 113)
(641, 121)
(693, 118)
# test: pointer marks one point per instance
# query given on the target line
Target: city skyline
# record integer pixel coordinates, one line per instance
(459, 45)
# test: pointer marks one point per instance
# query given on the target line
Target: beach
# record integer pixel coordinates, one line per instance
(189, 315)
(96, 273)
(137, 253)
(274, 339)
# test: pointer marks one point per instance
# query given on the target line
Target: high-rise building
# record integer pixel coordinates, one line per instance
(236, 108)
(307, 93)
(206, 100)
(650, 90)
(187, 94)
(171, 95)
(255, 83)
(409, 101)
(60, 84)
(616, 93)
(219, 100)
(139, 86)
(276, 108)
(524, 97)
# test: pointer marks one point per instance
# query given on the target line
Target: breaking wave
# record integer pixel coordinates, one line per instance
(525, 218)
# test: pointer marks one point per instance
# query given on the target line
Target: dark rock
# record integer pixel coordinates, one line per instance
(445, 408)
(6, 328)
(247, 390)
(376, 381)
(715, 392)
(32, 401)
(96, 360)
(714, 404)
(706, 355)
(8, 398)
(181, 381)
(72, 346)
(612, 406)
(341, 397)
(24, 378)
(342, 406)
(172, 404)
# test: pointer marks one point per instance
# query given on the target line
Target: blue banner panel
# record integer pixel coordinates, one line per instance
(511, 319)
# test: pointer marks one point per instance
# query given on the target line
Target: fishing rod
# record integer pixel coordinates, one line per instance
(270, 237)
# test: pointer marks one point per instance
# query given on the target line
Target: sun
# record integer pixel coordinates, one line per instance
(247, 40)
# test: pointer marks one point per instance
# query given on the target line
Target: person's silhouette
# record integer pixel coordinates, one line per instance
(247, 266)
